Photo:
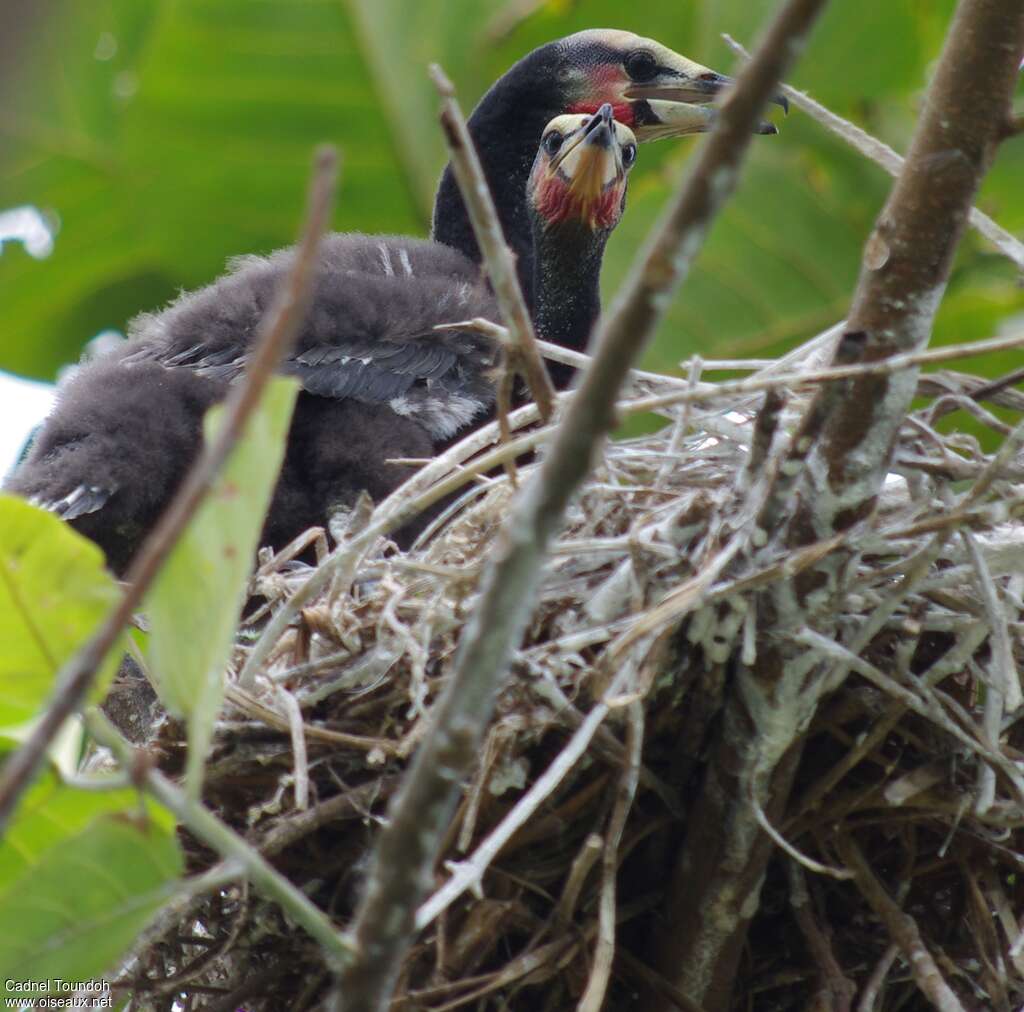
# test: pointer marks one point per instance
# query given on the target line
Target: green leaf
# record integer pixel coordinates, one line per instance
(165, 138)
(51, 812)
(54, 591)
(82, 902)
(190, 143)
(196, 600)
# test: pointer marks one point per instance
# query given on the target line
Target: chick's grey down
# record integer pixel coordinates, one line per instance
(380, 380)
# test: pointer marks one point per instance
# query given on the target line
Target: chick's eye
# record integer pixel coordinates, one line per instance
(628, 155)
(553, 143)
(641, 65)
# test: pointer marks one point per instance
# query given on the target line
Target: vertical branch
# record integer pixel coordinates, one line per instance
(498, 259)
(408, 846)
(604, 952)
(840, 455)
(907, 261)
(902, 929)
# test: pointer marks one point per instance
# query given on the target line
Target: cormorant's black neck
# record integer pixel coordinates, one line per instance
(506, 127)
(566, 286)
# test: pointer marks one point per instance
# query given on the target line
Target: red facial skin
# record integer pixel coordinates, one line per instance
(607, 82)
(555, 202)
(622, 111)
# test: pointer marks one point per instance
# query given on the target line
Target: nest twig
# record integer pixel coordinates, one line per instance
(906, 759)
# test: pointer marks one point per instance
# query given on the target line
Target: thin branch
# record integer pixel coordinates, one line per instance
(1002, 690)
(684, 394)
(290, 705)
(277, 332)
(588, 854)
(922, 702)
(407, 847)
(604, 952)
(225, 841)
(881, 154)
(498, 260)
(795, 855)
(440, 477)
(838, 989)
(902, 928)
(873, 987)
(698, 392)
(957, 656)
(469, 873)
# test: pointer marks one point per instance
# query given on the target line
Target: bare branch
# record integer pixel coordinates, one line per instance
(1002, 691)
(277, 332)
(581, 865)
(923, 702)
(604, 952)
(225, 841)
(901, 927)
(869, 995)
(881, 154)
(469, 873)
(498, 259)
(408, 846)
(907, 261)
(838, 989)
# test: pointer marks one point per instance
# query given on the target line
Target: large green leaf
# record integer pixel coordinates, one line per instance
(190, 142)
(54, 590)
(51, 812)
(79, 904)
(196, 600)
(166, 137)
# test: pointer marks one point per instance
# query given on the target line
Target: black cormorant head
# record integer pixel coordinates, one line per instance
(579, 174)
(652, 89)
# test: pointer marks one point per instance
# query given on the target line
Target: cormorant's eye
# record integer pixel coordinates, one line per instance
(641, 65)
(553, 143)
(628, 155)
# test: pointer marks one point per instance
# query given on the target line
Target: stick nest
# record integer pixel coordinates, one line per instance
(917, 767)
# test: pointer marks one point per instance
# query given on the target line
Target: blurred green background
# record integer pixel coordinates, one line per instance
(163, 137)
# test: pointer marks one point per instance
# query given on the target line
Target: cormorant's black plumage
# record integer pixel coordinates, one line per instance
(367, 335)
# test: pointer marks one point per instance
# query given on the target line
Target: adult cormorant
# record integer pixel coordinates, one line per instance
(652, 89)
(379, 382)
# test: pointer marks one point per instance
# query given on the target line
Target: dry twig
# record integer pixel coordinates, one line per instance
(277, 332)
(407, 848)
(881, 154)
(498, 260)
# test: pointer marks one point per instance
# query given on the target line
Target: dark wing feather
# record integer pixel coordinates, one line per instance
(79, 502)
(371, 372)
(368, 334)
(114, 449)
(353, 378)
